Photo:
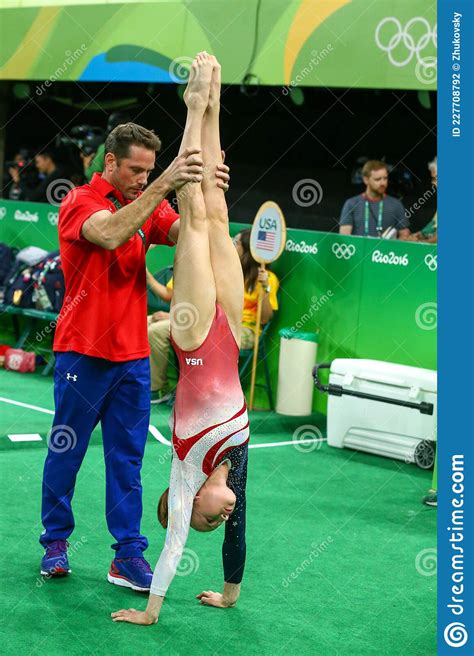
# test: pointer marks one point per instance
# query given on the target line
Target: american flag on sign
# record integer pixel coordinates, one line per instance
(266, 240)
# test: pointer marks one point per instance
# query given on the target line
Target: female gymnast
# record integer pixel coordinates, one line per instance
(210, 423)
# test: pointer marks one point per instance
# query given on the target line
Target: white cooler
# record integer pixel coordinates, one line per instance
(385, 428)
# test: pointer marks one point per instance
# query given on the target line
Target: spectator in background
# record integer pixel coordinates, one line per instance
(21, 167)
(429, 234)
(374, 213)
(159, 338)
(49, 171)
(254, 273)
(94, 162)
(159, 322)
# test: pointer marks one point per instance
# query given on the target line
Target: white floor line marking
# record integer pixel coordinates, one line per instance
(161, 438)
(153, 429)
(158, 436)
(25, 437)
(27, 405)
(290, 442)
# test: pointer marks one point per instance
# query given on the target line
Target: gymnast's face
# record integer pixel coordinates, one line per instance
(130, 174)
(213, 505)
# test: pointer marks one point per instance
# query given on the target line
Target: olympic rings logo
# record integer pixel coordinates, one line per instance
(343, 251)
(53, 218)
(431, 262)
(413, 39)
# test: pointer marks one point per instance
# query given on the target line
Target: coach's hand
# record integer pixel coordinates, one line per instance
(187, 167)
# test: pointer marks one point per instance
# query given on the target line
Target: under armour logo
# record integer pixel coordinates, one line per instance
(71, 377)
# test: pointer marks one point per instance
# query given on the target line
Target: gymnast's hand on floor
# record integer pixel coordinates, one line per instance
(133, 616)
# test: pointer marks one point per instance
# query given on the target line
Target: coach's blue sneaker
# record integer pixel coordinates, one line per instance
(55, 562)
(132, 573)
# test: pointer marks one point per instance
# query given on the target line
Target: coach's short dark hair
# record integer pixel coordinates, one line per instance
(130, 134)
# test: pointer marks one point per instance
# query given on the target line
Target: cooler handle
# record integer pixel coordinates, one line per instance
(338, 390)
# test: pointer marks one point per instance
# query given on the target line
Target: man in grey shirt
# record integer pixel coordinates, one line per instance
(373, 213)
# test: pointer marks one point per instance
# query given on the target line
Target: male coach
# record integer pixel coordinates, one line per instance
(102, 371)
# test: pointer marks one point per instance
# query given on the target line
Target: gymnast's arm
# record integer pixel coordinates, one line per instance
(185, 481)
(234, 546)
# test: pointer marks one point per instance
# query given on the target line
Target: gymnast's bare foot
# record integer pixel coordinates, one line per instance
(196, 95)
(215, 89)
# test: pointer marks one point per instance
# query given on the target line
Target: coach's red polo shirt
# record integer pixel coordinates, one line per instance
(105, 306)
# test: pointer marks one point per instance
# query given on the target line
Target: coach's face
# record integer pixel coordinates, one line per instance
(130, 174)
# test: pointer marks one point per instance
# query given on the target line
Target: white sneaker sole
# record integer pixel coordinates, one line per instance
(55, 575)
(125, 584)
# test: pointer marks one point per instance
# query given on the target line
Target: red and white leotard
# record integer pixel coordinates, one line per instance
(210, 420)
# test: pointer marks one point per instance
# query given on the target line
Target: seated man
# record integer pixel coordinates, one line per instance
(374, 213)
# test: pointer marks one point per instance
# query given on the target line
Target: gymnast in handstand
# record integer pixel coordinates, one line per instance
(210, 423)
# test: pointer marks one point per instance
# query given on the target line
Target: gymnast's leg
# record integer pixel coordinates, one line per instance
(225, 261)
(194, 292)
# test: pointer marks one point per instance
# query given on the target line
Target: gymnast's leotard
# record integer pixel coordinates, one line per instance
(210, 426)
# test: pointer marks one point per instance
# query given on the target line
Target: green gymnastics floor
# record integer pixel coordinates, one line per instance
(341, 553)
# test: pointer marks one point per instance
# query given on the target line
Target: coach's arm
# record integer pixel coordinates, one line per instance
(111, 230)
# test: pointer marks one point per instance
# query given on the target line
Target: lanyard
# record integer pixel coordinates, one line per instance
(379, 218)
(118, 205)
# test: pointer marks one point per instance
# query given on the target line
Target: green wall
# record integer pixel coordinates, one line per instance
(367, 298)
(321, 43)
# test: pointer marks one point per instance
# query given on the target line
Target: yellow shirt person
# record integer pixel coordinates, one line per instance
(249, 315)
